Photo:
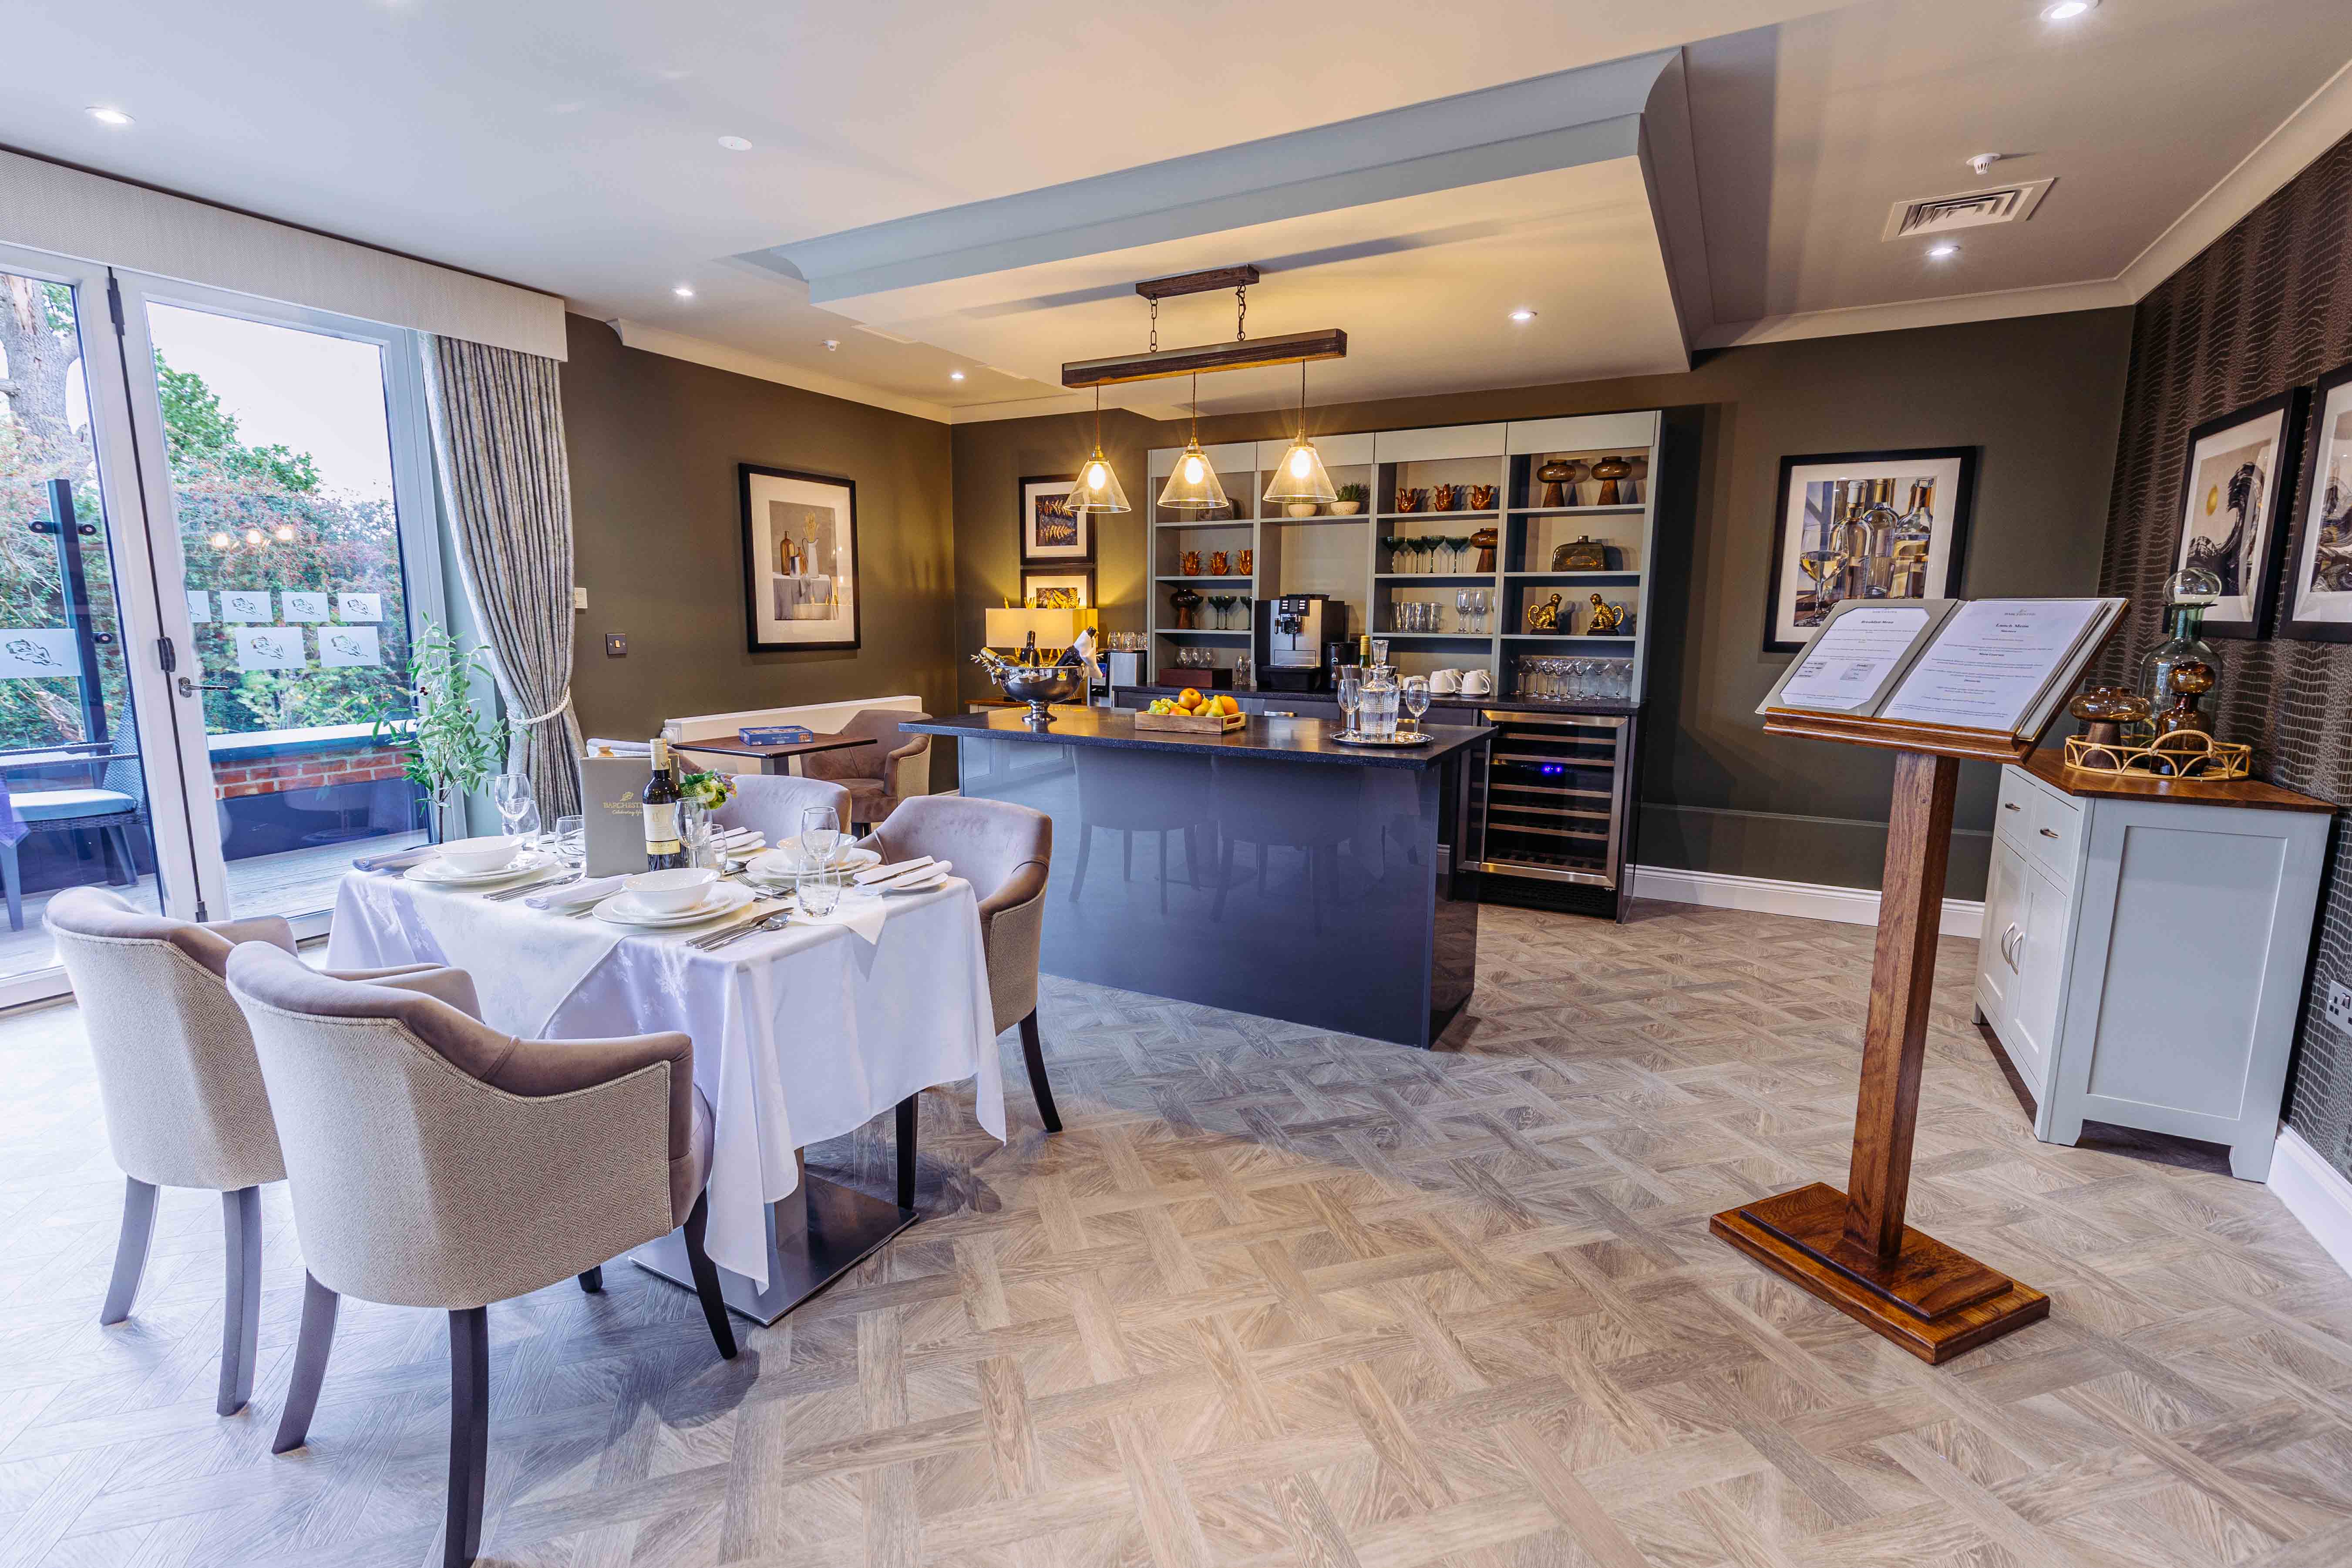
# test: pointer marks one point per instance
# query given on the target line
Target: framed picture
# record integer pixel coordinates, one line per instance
(2233, 506)
(1876, 525)
(800, 560)
(2319, 607)
(1059, 590)
(1050, 531)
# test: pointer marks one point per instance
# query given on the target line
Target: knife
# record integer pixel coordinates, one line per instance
(503, 894)
(711, 939)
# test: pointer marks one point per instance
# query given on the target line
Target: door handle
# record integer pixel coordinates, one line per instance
(190, 688)
(2049, 833)
(2008, 806)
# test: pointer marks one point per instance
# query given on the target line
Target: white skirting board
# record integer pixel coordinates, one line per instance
(2315, 1193)
(1806, 900)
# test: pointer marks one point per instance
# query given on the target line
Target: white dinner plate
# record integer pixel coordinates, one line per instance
(446, 876)
(726, 898)
(785, 860)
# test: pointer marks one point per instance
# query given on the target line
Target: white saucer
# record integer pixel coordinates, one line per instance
(785, 860)
(434, 871)
(725, 899)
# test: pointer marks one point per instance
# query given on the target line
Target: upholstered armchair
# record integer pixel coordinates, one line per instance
(878, 776)
(437, 1163)
(1004, 851)
(773, 804)
(183, 1098)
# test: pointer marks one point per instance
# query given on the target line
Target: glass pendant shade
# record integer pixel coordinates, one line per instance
(1098, 488)
(1301, 477)
(1193, 485)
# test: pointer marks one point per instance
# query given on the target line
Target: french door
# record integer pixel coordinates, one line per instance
(218, 539)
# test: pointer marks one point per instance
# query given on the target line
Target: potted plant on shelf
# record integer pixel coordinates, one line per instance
(1352, 500)
(447, 746)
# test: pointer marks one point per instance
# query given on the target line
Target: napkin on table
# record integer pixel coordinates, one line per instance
(872, 874)
(863, 914)
(575, 894)
(394, 860)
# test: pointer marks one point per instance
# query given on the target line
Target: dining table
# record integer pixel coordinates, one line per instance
(777, 757)
(800, 1035)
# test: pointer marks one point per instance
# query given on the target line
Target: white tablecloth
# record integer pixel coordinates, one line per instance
(799, 1035)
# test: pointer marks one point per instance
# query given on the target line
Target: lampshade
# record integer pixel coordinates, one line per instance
(1055, 629)
(1193, 485)
(1098, 488)
(1300, 476)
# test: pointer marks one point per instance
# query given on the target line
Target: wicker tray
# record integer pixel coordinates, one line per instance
(2183, 754)
(1192, 723)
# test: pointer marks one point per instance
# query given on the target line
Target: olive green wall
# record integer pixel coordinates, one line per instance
(2040, 396)
(657, 530)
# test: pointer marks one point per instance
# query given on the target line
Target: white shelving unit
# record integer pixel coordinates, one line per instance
(1348, 558)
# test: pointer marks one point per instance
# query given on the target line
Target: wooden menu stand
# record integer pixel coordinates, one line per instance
(1852, 1248)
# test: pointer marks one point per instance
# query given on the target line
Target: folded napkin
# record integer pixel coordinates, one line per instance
(575, 894)
(863, 913)
(873, 874)
(395, 860)
(601, 748)
(741, 840)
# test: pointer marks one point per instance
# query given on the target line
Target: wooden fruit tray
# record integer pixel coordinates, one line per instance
(1192, 723)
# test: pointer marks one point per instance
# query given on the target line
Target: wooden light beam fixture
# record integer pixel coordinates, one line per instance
(1242, 353)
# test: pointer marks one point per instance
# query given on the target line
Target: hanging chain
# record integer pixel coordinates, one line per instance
(1241, 312)
(1155, 323)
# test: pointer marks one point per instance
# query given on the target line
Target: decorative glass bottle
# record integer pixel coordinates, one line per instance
(2189, 593)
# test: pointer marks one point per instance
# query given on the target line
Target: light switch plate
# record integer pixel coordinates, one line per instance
(578, 597)
(2339, 1005)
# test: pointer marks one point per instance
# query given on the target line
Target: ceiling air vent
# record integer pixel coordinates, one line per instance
(1968, 209)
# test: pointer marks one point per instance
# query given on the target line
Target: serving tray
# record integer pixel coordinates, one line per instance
(1401, 740)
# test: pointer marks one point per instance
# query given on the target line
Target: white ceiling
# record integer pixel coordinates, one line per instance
(574, 147)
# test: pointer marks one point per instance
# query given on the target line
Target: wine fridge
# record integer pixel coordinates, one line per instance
(1554, 810)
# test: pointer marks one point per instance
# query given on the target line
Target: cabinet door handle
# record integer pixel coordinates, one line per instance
(2008, 806)
(2049, 833)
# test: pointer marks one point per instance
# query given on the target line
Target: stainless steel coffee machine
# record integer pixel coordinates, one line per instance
(1291, 633)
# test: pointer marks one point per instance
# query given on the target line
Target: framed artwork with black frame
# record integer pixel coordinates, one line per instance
(1912, 539)
(800, 560)
(1052, 534)
(1072, 590)
(2317, 606)
(2233, 487)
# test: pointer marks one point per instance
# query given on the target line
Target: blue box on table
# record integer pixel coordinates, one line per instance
(775, 734)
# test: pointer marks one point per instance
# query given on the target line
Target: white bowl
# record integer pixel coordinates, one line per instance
(476, 856)
(671, 893)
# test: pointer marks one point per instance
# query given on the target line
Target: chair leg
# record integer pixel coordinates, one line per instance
(319, 1305)
(1033, 1051)
(706, 1278)
(1078, 882)
(907, 1152)
(119, 838)
(469, 1433)
(241, 1312)
(15, 887)
(592, 1280)
(129, 1249)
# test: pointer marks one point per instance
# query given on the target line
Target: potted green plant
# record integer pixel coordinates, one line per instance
(447, 746)
(1352, 500)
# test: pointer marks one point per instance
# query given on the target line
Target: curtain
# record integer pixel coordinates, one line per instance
(498, 440)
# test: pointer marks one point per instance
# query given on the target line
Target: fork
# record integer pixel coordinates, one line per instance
(776, 921)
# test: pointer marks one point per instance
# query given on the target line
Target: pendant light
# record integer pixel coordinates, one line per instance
(1193, 485)
(1098, 488)
(1300, 476)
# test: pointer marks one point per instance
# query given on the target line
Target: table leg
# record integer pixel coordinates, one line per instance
(815, 1234)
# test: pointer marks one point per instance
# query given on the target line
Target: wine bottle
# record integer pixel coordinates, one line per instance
(664, 850)
(1029, 650)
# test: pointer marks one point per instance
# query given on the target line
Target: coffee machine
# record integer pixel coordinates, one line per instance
(1291, 633)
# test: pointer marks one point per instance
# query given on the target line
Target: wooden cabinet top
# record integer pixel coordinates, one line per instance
(2050, 767)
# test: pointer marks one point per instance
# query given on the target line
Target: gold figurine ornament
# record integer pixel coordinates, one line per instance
(1544, 617)
(1606, 618)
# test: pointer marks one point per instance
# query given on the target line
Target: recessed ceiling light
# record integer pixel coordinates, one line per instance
(955, 376)
(2067, 10)
(735, 143)
(106, 116)
(832, 345)
(683, 292)
(1942, 252)
(1523, 315)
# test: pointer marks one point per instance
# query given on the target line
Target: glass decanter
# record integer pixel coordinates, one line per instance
(2189, 592)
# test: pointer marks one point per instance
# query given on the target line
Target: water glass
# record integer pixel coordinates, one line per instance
(1349, 690)
(819, 890)
(510, 793)
(821, 836)
(572, 839)
(1376, 703)
(1413, 692)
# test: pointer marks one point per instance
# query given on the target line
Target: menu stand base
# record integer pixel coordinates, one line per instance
(815, 1234)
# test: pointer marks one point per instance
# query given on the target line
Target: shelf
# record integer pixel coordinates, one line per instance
(1432, 636)
(1611, 572)
(1434, 577)
(1216, 523)
(1622, 509)
(1206, 632)
(1439, 516)
(1243, 577)
(1561, 636)
(1306, 522)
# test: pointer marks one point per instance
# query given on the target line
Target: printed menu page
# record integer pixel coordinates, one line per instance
(1845, 666)
(1994, 662)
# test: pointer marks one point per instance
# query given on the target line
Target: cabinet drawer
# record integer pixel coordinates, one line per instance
(2057, 830)
(2012, 819)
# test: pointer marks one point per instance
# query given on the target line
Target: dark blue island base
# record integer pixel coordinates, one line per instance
(1271, 871)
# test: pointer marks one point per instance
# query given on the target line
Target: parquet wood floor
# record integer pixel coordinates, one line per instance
(1276, 1297)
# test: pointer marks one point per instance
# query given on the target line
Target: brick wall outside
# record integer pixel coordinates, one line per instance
(285, 770)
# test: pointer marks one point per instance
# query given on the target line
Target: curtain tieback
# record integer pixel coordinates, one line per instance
(554, 712)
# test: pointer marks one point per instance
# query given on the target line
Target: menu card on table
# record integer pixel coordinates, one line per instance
(2001, 665)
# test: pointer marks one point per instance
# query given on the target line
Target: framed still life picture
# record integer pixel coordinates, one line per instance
(1050, 530)
(2233, 506)
(800, 560)
(1059, 590)
(2318, 603)
(1865, 525)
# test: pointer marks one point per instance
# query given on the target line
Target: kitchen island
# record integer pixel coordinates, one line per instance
(1278, 872)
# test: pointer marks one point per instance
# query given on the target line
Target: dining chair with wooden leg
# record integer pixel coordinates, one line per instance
(184, 1102)
(1006, 852)
(437, 1163)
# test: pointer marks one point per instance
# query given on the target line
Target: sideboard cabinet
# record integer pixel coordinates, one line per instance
(2144, 948)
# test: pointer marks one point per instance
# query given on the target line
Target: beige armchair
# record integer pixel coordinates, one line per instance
(878, 776)
(773, 804)
(1005, 851)
(437, 1162)
(184, 1098)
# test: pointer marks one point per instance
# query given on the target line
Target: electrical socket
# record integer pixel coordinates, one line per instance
(2339, 1005)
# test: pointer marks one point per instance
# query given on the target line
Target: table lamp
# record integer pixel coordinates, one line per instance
(1055, 629)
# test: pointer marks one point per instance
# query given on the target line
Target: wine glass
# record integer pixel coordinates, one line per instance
(1349, 690)
(1413, 692)
(821, 835)
(510, 793)
(1394, 544)
(1457, 546)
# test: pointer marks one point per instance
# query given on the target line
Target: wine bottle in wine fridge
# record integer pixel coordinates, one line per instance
(665, 849)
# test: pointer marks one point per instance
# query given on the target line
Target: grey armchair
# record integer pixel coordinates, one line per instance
(878, 776)
(184, 1098)
(1005, 851)
(437, 1162)
(773, 804)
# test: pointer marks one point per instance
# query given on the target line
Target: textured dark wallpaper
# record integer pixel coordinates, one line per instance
(2268, 306)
